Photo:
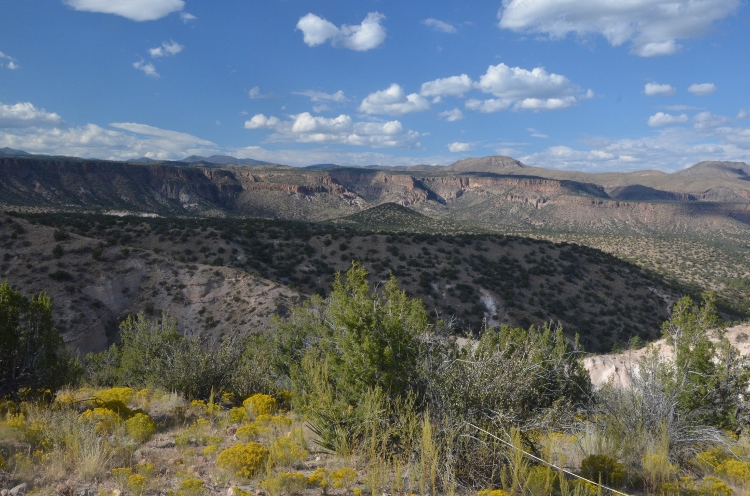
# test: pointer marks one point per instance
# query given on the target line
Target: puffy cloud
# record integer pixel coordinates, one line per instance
(305, 123)
(259, 121)
(318, 96)
(256, 94)
(656, 89)
(147, 68)
(514, 83)
(360, 37)
(167, 48)
(25, 114)
(452, 115)
(661, 119)
(458, 147)
(702, 89)
(546, 104)
(652, 26)
(525, 90)
(135, 10)
(186, 18)
(12, 65)
(307, 128)
(438, 25)
(707, 121)
(393, 101)
(450, 86)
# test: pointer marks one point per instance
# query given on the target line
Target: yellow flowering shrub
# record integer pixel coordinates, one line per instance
(140, 427)
(288, 483)
(227, 398)
(104, 420)
(237, 415)
(17, 422)
(492, 492)
(191, 487)
(145, 468)
(344, 478)
(122, 476)
(711, 486)
(137, 484)
(244, 459)
(248, 432)
(357, 491)
(260, 404)
(115, 399)
(287, 451)
(320, 478)
(210, 450)
(197, 434)
(736, 471)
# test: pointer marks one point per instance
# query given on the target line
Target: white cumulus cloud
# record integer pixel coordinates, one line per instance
(656, 89)
(147, 68)
(661, 119)
(524, 89)
(651, 26)
(458, 147)
(259, 121)
(450, 86)
(25, 114)
(439, 25)
(702, 89)
(135, 10)
(167, 48)
(393, 101)
(186, 17)
(452, 115)
(343, 130)
(360, 37)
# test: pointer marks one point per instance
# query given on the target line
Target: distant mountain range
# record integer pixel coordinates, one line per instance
(10, 152)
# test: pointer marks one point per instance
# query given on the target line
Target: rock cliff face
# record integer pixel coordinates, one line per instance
(497, 191)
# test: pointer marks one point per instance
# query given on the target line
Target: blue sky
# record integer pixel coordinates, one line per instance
(593, 85)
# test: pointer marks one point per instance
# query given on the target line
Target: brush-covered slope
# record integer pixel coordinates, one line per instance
(469, 279)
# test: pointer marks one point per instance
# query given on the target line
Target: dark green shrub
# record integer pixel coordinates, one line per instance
(604, 469)
(32, 354)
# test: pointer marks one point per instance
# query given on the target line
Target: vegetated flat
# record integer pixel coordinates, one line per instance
(473, 279)
(392, 217)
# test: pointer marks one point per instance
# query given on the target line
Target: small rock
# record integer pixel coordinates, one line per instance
(116, 492)
(63, 489)
(258, 492)
(230, 491)
(4, 492)
(18, 490)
